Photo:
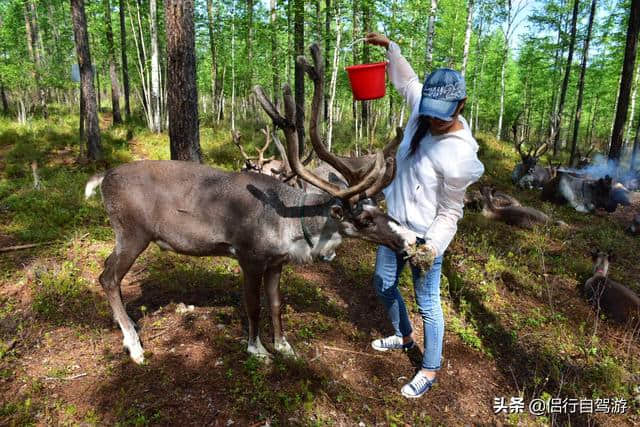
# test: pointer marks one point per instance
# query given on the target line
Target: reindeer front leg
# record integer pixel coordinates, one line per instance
(252, 282)
(272, 284)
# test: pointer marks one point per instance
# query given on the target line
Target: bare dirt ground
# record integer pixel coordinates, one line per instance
(195, 356)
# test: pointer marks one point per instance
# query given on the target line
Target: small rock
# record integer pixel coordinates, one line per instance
(219, 362)
(220, 326)
(230, 422)
(362, 424)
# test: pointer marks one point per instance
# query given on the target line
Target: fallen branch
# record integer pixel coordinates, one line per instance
(19, 247)
(344, 350)
(73, 377)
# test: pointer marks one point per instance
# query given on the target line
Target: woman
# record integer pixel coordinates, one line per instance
(436, 162)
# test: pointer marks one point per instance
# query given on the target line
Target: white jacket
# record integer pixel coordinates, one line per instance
(427, 192)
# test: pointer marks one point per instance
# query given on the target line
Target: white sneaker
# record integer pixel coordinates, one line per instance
(393, 342)
(418, 386)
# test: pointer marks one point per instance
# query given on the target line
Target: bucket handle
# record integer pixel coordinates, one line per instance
(348, 47)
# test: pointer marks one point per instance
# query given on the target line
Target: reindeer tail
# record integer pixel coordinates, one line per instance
(94, 182)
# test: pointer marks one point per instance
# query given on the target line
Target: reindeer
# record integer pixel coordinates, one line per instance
(197, 210)
(514, 213)
(583, 160)
(617, 301)
(268, 166)
(528, 174)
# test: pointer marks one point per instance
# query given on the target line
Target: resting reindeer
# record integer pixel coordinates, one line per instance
(514, 213)
(474, 200)
(529, 174)
(584, 195)
(197, 210)
(268, 166)
(617, 301)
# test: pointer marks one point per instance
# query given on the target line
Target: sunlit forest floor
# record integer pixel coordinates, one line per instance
(516, 324)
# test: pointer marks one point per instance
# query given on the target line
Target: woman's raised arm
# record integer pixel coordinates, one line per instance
(402, 76)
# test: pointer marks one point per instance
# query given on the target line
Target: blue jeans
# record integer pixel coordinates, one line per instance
(389, 265)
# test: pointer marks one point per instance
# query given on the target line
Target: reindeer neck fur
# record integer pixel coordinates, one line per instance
(313, 217)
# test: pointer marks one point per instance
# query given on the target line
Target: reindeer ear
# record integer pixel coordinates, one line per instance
(594, 254)
(611, 256)
(337, 212)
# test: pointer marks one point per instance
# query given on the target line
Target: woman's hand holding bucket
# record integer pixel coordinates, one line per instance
(377, 39)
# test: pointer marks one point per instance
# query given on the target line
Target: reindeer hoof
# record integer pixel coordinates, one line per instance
(257, 349)
(134, 349)
(284, 348)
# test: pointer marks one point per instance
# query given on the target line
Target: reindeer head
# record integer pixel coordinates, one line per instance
(601, 262)
(352, 208)
(258, 164)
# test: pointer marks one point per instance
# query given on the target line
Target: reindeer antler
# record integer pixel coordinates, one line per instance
(379, 172)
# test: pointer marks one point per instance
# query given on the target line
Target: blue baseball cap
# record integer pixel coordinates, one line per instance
(441, 92)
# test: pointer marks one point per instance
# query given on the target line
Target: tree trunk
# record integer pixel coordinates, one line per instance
(182, 93)
(583, 68)
(94, 149)
(625, 80)
(125, 66)
(567, 73)
(298, 35)
(334, 75)
(636, 148)
(249, 80)
(327, 50)
(431, 33)
(366, 28)
(142, 64)
(155, 67)
(559, 53)
(475, 72)
(467, 38)
(233, 67)
(505, 57)
(632, 113)
(214, 56)
(355, 57)
(113, 73)
(275, 73)
(5, 103)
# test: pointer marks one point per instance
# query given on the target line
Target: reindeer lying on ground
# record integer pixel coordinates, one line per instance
(529, 174)
(197, 210)
(584, 195)
(269, 166)
(513, 213)
(617, 301)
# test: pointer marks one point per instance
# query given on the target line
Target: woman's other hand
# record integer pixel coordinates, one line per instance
(377, 39)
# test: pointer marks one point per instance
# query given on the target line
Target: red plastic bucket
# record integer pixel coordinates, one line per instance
(367, 80)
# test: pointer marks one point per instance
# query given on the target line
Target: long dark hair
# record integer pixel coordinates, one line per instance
(423, 128)
(421, 131)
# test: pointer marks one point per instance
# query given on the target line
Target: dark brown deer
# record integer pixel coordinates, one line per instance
(617, 301)
(197, 210)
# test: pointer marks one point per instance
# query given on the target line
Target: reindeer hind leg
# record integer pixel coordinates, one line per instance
(128, 247)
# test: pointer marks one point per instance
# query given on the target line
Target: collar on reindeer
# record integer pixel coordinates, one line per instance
(305, 230)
